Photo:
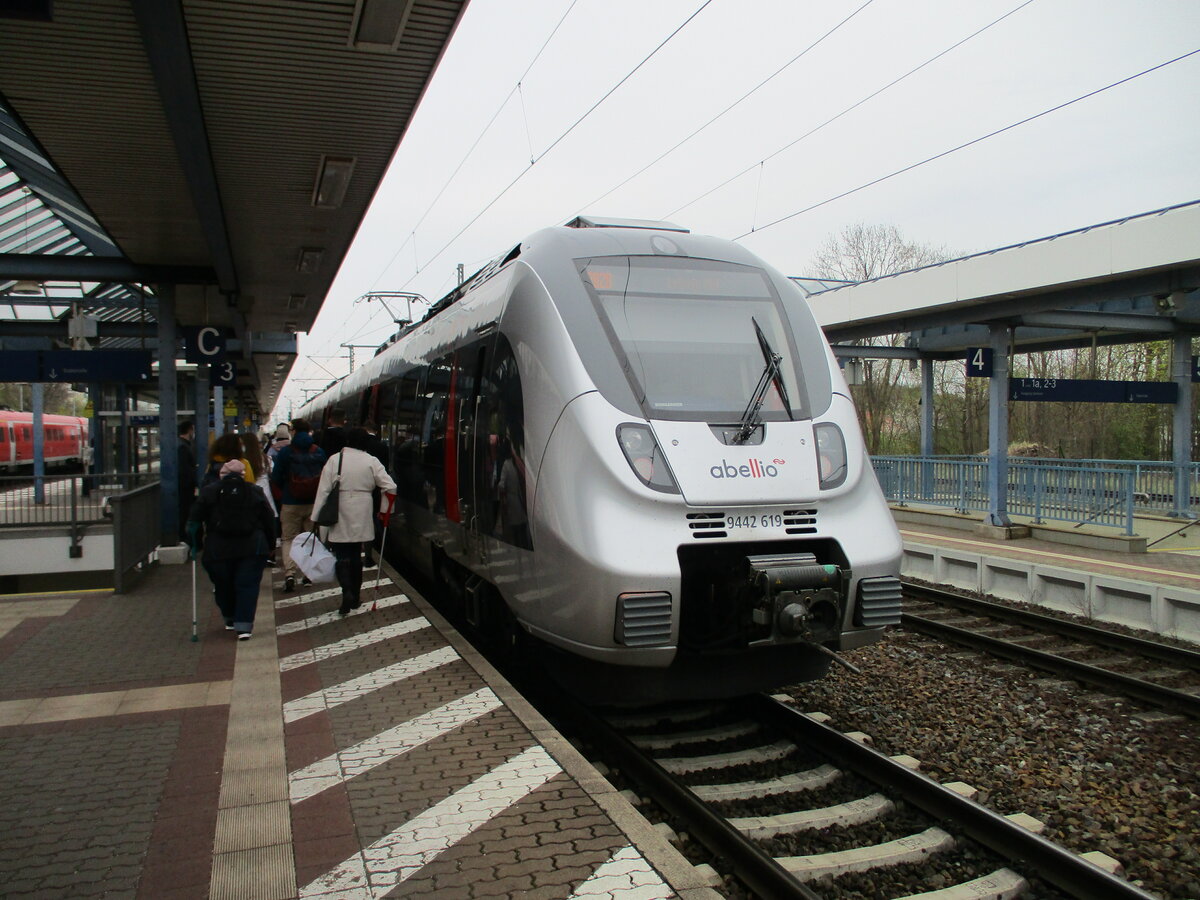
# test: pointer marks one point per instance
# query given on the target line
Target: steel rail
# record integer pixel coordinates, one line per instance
(757, 870)
(1176, 656)
(1030, 853)
(1157, 695)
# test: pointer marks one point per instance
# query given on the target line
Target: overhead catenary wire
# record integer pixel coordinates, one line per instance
(871, 96)
(558, 140)
(970, 143)
(738, 102)
(412, 235)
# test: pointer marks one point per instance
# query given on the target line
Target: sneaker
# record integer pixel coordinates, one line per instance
(306, 580)
(243, 635)
(229, 626)
(289, 584)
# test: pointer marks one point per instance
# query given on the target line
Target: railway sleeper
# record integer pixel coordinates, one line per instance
(912, 849)
(664, 717)
(686, 764)
(811, 780)
(1003, 884)
(718, 733)
(855, 812)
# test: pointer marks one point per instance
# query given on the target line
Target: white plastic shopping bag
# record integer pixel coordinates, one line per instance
(313, 558)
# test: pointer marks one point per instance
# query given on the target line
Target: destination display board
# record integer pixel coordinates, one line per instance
(76, 366)
(1080, 390)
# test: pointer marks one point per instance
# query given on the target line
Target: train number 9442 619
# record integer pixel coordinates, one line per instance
(765, 520)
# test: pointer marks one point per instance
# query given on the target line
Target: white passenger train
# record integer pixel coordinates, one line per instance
(634, 444)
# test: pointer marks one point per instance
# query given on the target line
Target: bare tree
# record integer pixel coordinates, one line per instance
(858, 253)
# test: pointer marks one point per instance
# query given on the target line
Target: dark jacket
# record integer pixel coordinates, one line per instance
(187, 471)
(219, 546)
(333, 439)
(302, 443)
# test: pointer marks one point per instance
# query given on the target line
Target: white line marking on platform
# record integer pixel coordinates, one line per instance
(625, 875)
(355, 642)
(301, 599)
(387, 745)
(1059, 557)
(332, 616)
(398, 856)
(301, 707)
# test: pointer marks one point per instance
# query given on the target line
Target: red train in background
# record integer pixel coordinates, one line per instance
(64, 440)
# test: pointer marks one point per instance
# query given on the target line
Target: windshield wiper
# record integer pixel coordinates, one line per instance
(772, 374)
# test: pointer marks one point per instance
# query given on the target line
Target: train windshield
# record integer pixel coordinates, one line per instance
(685, 330)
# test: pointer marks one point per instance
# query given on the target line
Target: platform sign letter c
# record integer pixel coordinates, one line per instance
(979, 362)
(204, 344)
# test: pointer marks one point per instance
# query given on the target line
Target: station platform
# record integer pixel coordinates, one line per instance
(376, 755)
(1151, 582)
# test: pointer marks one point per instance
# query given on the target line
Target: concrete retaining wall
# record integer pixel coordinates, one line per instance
(1164, 609)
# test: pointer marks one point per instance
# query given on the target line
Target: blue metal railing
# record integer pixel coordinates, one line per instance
(1039, 490)
(1153, 480)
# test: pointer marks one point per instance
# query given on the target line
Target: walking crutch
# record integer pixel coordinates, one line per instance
(391, 499)
(195, 637)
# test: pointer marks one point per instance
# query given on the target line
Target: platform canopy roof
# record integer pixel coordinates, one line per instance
(228, 148)
(1126, 281)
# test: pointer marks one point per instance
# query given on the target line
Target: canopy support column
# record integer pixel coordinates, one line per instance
(998, 429)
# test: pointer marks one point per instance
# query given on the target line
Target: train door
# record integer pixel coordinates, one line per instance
(469, 371)
(6, 446)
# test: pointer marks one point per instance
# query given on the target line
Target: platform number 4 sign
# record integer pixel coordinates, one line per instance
(979, 362)
(1196, 368)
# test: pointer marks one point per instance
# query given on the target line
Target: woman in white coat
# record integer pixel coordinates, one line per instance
(358, 473)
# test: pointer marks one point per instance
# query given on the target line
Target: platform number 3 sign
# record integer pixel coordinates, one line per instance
(979, 362)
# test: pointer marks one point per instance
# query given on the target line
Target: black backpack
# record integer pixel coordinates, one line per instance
(236, 513)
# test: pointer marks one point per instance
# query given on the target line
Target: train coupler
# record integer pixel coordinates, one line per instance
(796, 597)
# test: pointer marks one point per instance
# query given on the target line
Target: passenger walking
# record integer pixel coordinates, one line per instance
(297, 473)
(283, 437)
(186, 476)
(357, 474)
(260, 468)
(228, 446)
(333, 438)
(232, 521)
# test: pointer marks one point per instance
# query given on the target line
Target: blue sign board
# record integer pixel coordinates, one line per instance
(89, 366)
(205, 344)
(222, 374)
(979, 362)
(20, 365)
(1076, 390)
(76, 366)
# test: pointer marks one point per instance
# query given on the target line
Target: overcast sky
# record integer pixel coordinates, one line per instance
(596, 113)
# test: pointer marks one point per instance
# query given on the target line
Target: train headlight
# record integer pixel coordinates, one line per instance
(645, 458)
(831, 454)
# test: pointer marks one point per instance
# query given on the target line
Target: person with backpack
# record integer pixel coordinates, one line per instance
(233, 522)
(228, 446)
(296, 472)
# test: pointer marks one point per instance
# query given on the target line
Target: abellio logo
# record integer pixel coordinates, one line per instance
(755, 468)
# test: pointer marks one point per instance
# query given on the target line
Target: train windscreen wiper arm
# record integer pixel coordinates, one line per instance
(772, 374)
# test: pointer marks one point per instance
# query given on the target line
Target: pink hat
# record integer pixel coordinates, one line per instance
(233, 467)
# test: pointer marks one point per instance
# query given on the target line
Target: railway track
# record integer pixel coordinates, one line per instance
(793, 808)
(1152, 672)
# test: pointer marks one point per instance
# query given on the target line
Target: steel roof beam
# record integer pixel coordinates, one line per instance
(164, 35)
(1097, 321)
(18, 266)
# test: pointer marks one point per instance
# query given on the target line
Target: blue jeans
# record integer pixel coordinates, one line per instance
(236, 583)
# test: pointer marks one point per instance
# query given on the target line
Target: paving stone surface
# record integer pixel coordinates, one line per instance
(75, 815)
(406, 774)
